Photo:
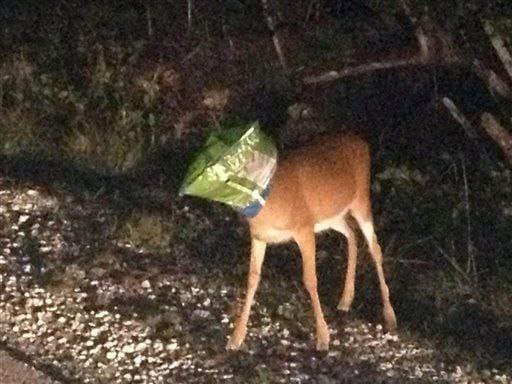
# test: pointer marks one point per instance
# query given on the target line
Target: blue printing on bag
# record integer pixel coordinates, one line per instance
(254, 208)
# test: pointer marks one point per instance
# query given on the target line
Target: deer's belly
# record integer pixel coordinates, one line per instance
(275, 235)
(331, 222)
(272, 235)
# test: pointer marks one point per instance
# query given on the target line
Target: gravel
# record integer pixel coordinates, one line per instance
(113, 323)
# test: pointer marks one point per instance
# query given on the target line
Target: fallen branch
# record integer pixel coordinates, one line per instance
(453, 261)
(499, 134)
(361, 69)
(190, 6)
(495, 84)
(419, 32)
(459, 117)
(470, 263)
(314, 6)
(149, 23)
(492, 127)
(421, 58)
(275, 35)
(499, 46)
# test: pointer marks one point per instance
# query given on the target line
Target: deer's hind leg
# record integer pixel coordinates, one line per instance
(365, 221)
(347, 295)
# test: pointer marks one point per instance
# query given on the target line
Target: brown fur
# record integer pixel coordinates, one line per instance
(314, 189)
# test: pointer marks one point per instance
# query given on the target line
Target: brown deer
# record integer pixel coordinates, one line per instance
(314, 189)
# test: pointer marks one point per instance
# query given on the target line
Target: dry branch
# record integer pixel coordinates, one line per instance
(361, 69)
(149, 23)
(499, 46)
(492, 127)
(275, 35)
(499, 134)
(190, 6)
(459, 117)
(495, 84)
(421, 58)
(314, 6)
(421, 37)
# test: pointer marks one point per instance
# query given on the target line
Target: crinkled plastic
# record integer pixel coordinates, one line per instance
(234, 167)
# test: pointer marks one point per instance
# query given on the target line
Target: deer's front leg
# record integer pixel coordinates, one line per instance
(306, 241)
(257, 255)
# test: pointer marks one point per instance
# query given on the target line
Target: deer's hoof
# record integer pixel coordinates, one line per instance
(233, 344)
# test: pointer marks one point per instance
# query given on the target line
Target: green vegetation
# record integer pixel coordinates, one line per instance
(146, 230)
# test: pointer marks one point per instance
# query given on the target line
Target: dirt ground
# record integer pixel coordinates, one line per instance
(13, 371)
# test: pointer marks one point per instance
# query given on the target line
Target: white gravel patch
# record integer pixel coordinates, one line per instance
(69, 327)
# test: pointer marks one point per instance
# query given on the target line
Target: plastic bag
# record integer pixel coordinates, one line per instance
(234, 167)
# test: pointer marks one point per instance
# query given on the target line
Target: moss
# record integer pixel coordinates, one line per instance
(146, 230)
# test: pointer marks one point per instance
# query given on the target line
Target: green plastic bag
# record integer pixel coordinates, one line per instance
(234, 167)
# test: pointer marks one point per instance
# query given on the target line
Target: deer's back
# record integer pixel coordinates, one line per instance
(314, 185)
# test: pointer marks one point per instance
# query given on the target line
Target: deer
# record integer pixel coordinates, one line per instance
(315, 188)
